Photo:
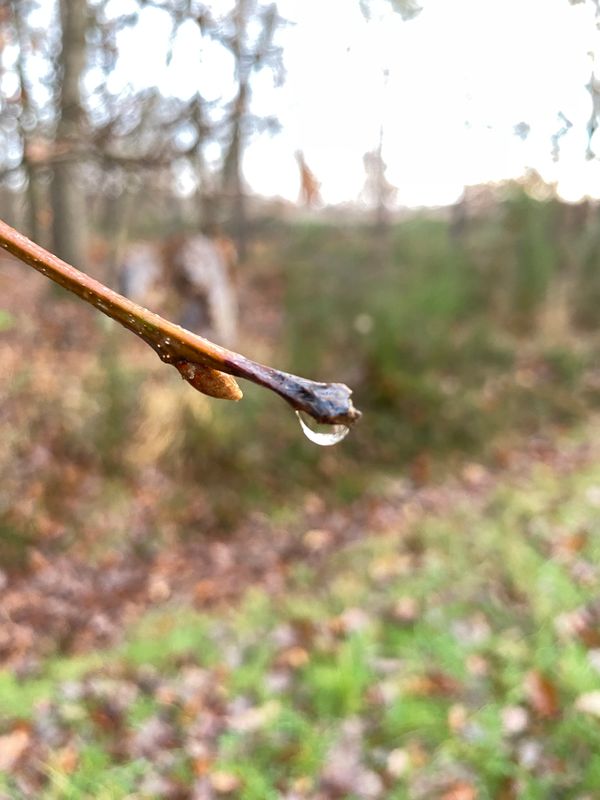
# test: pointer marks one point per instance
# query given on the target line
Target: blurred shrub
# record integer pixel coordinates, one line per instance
(585, 253)
(440, 332)
(442, 335)
(532, 255)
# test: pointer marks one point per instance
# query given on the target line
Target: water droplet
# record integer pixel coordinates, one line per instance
(324, 435)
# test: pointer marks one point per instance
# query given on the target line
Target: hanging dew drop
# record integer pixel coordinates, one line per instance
(324, 435)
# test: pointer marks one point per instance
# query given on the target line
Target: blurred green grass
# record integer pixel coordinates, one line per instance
(434, 677)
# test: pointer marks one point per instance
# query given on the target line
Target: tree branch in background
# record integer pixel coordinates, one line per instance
(206, 366)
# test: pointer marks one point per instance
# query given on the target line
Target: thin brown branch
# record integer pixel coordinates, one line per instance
(200, 361)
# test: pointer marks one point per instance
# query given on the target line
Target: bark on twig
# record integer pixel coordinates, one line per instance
(205, 365)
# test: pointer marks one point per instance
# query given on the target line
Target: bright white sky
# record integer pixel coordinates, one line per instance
(461, 76)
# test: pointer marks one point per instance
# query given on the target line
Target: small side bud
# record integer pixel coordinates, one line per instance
(210, 381)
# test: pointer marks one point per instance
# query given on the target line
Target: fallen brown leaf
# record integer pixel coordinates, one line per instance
(477, 665)
(67, 759)
(542, 694)
(460, 791)
(509, 790)
(205, 590)
(420, 469)
(434, 682)
(582, 623)
(474, 475)
(570, 544)
(405, 611)
(12, 746)
(293, 657)
(224, 782)
(457, 718)
(317, 539)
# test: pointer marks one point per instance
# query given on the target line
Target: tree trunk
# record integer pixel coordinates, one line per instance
(35, 203)
(33, 194)
(382, 189)
(233, 182)
(67, 193)
(8, 206)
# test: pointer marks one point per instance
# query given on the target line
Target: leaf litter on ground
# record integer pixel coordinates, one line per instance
(425, 660)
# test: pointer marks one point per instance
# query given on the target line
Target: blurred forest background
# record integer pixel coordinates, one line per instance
(195, 602)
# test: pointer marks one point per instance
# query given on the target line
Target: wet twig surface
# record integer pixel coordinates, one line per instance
(209, 368)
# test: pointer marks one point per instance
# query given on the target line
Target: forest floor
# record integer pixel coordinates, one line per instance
(196, 603)
(435, 641)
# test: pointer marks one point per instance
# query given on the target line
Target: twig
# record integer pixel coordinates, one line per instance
(202, 363)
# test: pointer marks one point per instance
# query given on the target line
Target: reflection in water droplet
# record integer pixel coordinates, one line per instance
(324, 435)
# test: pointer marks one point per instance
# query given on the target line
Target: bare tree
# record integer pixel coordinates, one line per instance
(20, 107)
(96, 141)
(251, 53)
(378, 191)
(26, 124)
(68, 196)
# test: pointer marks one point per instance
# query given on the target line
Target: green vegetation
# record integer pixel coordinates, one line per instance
(448, 653)
(454, 342)
(451, 652)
